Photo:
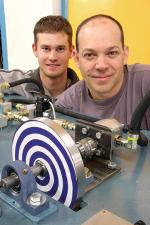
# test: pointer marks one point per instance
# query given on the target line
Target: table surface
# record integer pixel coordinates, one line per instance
(126, 194)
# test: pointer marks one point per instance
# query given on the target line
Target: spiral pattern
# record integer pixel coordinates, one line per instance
(34, 141)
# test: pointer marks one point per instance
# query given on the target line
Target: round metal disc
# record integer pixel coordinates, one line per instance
(43, 139)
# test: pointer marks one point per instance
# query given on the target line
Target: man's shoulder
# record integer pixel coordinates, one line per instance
(74, 90)
(139, 77)
(79, 85)
(72, 75)
(71, 97)
(139, 68)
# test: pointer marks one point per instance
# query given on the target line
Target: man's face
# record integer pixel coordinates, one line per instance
(53, 52)
(101, 57)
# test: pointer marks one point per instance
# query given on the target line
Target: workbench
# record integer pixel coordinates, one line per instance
(126, 194)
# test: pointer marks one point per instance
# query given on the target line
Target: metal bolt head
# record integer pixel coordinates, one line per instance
(35, 198)
(98, 135)
(25, 171)
(112, 165)
(46, 114)
(88, 173)
(84, 130)
(98, 152)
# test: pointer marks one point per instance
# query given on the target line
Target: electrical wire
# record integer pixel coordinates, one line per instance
(68, 112)
(28, 80)
(136, 120)
(53, 109)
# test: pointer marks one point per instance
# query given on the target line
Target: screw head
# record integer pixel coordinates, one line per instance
(112, 165)
(35, 198)
(84, 130)
(25, 171)
(98, 135)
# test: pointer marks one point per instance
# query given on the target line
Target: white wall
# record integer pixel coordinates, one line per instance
(20, 18)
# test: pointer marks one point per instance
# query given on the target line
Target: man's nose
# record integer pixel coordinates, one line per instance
(52, 55)
(101, 62)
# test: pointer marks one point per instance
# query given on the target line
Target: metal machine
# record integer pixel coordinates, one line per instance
(59, 159)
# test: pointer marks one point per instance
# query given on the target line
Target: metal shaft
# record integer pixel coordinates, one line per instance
(13, 180)
(87, 147)
(9, 181)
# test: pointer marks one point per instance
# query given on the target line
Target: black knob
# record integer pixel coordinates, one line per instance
(140, 222)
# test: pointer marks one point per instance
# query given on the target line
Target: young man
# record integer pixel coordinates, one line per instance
(110, 89)
(53, 49)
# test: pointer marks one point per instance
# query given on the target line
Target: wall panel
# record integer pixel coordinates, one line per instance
(133, 15)
(17, 20)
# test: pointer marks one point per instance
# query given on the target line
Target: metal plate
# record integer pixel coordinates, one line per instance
(100, 171)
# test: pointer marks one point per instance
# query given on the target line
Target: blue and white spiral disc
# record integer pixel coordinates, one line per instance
(35, 140)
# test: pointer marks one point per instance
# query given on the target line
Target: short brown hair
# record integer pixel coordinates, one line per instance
(53, 24)
(94, 17)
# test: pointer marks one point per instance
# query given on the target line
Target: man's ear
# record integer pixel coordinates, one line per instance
(76, 57)
(126, 54)
(34, 48)
(71, 51)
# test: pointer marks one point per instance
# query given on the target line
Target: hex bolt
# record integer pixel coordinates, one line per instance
(98, 135)
(46, 114)
(35, 198)
(88, 173)
(98, 152)
(112, 165)
(84, 130)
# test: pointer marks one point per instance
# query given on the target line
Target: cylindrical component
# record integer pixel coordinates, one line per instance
(13, 179)
(132, 141)
(87, 147)
(38, 169)
(65, 124)
(10, 181)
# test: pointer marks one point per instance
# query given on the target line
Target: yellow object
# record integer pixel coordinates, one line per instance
(133, 15)
(105, 217)
(3, 86)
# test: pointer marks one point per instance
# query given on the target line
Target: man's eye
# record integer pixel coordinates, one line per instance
(113, 53)
(61, 49)
(46, 49)
(88, 56)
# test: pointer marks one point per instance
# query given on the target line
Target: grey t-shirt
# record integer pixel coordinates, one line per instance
(30, 90)
(121, 106)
